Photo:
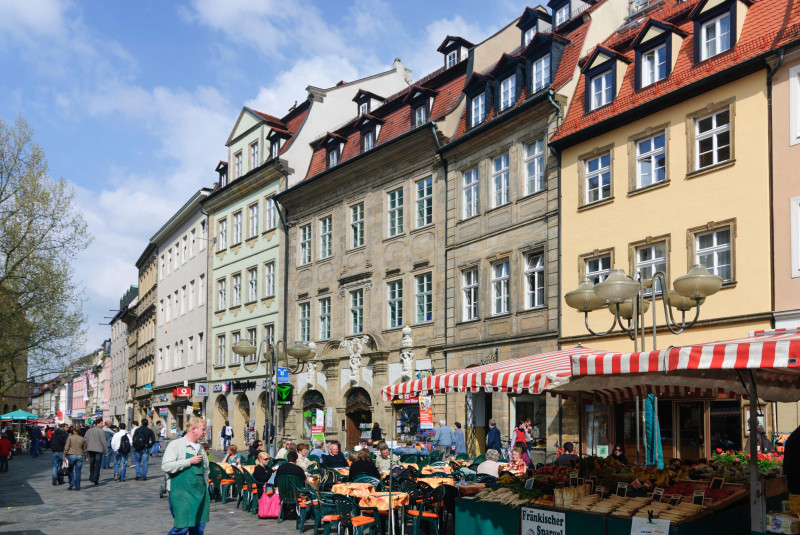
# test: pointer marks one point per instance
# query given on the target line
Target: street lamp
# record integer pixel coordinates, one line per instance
(300, 351)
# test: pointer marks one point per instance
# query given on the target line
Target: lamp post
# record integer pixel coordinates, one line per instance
(300, 351)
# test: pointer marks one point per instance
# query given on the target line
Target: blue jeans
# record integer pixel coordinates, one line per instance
(120, 465)
(226, 441)
(196, 530)
(140, 459)
(108, 460)
(58, 458)
(156, 447)
(75, 465)
(35, 448)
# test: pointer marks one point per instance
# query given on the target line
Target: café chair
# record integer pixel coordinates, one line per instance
(428, 510)
(346, 510)
(220, 481)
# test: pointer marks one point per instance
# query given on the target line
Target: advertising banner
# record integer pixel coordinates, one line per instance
(535, 521)
(201, 389)
(182, 392)
(425, 412)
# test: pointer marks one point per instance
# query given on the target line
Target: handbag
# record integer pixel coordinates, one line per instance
(64, 469)
(269, 504)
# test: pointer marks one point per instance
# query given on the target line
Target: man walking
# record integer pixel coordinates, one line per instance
(443, 440)
(108, 459)
(493, 437)
(97, 447)
(186, 464)
(143, 440)
(35, 435)
(160, 433)
(121, 444)
(57, 442)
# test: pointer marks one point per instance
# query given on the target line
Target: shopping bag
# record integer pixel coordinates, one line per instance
(64, 469)
(269, 504)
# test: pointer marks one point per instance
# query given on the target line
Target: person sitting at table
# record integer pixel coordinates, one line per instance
(285, 449)
(386, 459)
(362, 444)
(255, 448)
(232, 457)
(618, 455)
(302, 457)
(261, 473)
(290, 467)
(568, 455)
(516, 464)
(335, 459)
(363, 465)
(490, 466)
(409, 449)
(320, 450)
(352, 457)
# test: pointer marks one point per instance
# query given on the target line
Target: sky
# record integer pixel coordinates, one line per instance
(132, 100)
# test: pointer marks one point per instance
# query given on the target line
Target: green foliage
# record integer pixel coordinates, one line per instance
(41, 233)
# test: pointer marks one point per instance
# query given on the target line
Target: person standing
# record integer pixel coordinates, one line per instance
(75, 451)
(227, 434)
(185, 462)
(35, 435)
(377, 433)
(5, 452)
(121, 444)
(143, 439)
(108, 460)
(458, 439)
(97, 447)
(443, 439)
(493, 438)
(160, 433)
(791, 461)
(57, 442)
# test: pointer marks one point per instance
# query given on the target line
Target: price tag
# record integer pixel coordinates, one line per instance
(716, 483)
(658, 494)
(529, 484)
(697, 497)
(622, 488)
(573, 479)
(675, 499)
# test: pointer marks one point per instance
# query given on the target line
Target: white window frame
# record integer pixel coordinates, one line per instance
(470, 193)
(369, 140)
(252, 212)
(270, 221)
(236, 337)
(305, 244)
(237, 228)
(363, 108)
(652, 61)
(220, 350)
(424, 202)
(269, 279)
(252, 284)
(201, 290)
(191, 295)
(597, 268)
(599, 174)
(452, 58)
(500, 288)
(420, 115)
(651, 158)
(183, 300)
(500, 193)
(193, 243)
(237, 158)
(357, 225)
(561, 15)
(714, 251)
(541, 73)
(275, 148)
(394, 207)
(478, 107)
(424, 297)
(236, 286)
(714, 134)
(221, 302)
(184, 250)
(333, 157)
(394, 302)
(190, 352)
(530, 33)
(469, 286)
(648, 266)
(254, 155)
(252, 337)
(305, 321)
(326, 237)
(357, 311)
(201, 351)
(325, 318)
(716, 41)
(222, 242)
(535, 280)
(534, 166)
(602, 89)
(508, 92)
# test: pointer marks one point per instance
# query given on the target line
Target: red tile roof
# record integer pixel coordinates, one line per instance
(294, 121)
(767, 25)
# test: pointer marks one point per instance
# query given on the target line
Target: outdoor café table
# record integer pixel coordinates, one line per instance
(470, 488)
(343, 471)
(380, 500)
(229, 469)
(433, 469)
(436, 481)
(413, 465)
(313, 481)
(356, 490)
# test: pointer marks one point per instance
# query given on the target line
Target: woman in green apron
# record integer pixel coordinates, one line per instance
(187, 465)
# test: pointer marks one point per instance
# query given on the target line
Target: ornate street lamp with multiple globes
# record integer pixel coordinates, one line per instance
(626, 299)
(301, 352)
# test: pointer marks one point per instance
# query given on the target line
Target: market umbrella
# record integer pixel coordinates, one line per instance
(18, 415)
(654, 454)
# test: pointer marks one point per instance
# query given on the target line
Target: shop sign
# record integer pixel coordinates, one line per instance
(317, 433)
(98, 413)
(425, 412)
(285, 395)
(79, 415)
(196, 405)
(283, 375)
(69, 412)
(422, 374)
(59, 415)
(201, 389)
(162, 411)
(216, 388)
(243, 386)
(182, 392)
(406, 399)
(542, 521)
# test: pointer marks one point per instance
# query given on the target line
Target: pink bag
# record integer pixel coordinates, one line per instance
(269, 504)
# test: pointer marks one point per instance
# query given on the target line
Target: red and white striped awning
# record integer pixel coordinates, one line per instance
(531, 374)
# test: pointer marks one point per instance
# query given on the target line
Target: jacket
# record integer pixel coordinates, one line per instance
(117, 439)
(75, 445)
(458, 441)
(96, 440)
(174, 460)
(149, 437)
(59, 439)
(443, 437)
(493, 439)
(335, 461)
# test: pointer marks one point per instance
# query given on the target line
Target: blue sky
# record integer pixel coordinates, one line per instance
(132, 101)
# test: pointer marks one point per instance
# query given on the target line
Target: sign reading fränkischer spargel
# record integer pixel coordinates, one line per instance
(542, 522)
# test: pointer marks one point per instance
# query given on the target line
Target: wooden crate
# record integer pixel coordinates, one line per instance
(775, 486)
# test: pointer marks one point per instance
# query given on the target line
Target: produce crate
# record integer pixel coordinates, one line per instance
(740, 493)
(775, 486)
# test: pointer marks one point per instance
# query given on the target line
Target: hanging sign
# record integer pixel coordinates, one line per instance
(285, 395)
(201, 389)
(182, 392)
(425, 412)
(162, 411)
(283, 375)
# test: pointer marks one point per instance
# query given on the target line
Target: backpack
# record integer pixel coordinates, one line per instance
(125, 444)
(139, 441)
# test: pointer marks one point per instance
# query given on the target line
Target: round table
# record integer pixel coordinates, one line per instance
(356, 490)
(229, 468)
(380, 500)
(433, 469)
(436, 481)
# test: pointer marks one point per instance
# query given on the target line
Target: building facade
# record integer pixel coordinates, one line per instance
(119, 358)
(142, 335)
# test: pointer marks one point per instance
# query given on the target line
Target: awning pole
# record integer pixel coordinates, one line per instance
(757, 501)
(638, 432)
(656, 431)
(560, 421)
(580, 424)
(391, 452)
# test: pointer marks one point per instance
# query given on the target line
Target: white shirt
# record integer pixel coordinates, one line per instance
(117, 438)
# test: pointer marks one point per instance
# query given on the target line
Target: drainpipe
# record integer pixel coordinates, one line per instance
(209, 256)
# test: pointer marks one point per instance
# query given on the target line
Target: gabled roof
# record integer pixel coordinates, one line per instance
(531, 15)
(220, 166)
(596, 57)
(417, 91)
(506, 61)
(652, 23)
(477, 80)
(367, 119)
(362, 93)
(702, 4)
(452, 41)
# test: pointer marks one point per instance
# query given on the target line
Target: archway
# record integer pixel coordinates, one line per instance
(247, 427)
(313, 412)
(358, 408)
(220, 415)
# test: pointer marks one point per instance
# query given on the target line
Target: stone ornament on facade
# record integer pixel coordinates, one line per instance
(311, 373)
(406, 356)
(355, 346)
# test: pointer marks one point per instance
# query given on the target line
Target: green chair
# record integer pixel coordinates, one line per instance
(428, 510)
(305, 502)
(220, 481)
(436, 455)
(375, 482)
(410, 458)
(251, 482)
(243, 490)
(346, 510)
(462, 457)
(324, 511)
(479, 459)
(315, 459)
(251, 460)
(287, 485)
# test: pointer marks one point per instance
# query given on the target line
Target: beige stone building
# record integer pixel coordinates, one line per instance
(141, 321)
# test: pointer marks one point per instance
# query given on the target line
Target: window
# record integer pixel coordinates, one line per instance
(220, 294)
(252, 337)
(530, 33)
(395, 207)
(161, 312)
(305, 322)
(269, 279)
(602, 90)
(452, 58)
(271, 220)
(598, 178)
(237, 290)
(185, 250)
(235, 338)
(534, 167)
(654, 65)
(471, 192)
(478, 109)
(420, 116)
(369, 141)
(597, 269)
(274, 148)
(357, 311)
(253, 226)
(713, 139)
(469, 285)
(191, 294)
(237, 228)
(541, 73)
(269, 336)
(179, 355)
(253, 155)
(649, 259)
(203, 237)
(357, 225)
(363, 108)
(333, 157)
(252, 284)
(177, 255)
(534, 280)
(169, 259)
(395, 301)
(562, 15)
(192, 243)
(508, 92)
(424, 202)
(650, 160)
(713, 250)
(325, 318)
(201, 291)
(715, 36)
(325, 237)
(201, 350)
(500, 180)
(161, 268)
(500, 280)
(424, 297)
(221, 350)
(183, 300)
(237, 164)
(305, 244)
(160, 359)
(223, 235)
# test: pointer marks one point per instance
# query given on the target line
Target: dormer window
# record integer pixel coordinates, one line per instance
(541, 73)
(717, 26)
(715, 36)
(333, 157)
(478, 109)
(602, 74)
(363, 108)
(508, 92)
(452, 58)
(369, 141)
(420, 115)
(561, 15)
(274, 148)
(223, 179)
(237, 159)
(654, 65)
(529, 35)
(602, 89)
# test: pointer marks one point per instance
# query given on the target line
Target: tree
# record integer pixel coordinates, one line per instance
(41, 233)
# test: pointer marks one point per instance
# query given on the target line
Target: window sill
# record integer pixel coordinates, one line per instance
(393, 329)
(219, 311)
(269, 230)
(498, 316)
(219, 366)
(638, 191)
(468, 322)
(529, 196)
(359, 248)
(607, 104)
(267, 297)
(595, 204)
(490, 210)
(324, 260)
(422, 228)
(253, 302)
(251, 239)
(304, 265)
(710, 169)
(234, 307)
(394, 238)
(470, 218)
(537, 308)
(422, 323)
(234, 364)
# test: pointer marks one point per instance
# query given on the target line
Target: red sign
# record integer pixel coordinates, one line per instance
(317, 429)
(182, 392)
(406, 399)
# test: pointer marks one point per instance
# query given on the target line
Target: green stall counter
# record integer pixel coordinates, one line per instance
(485, 518)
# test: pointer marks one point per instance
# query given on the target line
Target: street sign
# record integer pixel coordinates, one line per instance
(285, 395)
(283, 376)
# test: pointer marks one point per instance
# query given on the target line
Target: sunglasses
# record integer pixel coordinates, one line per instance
(617, 449)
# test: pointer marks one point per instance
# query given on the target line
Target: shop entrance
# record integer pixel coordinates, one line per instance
(690, 420)
(313, 412)
(358, 409)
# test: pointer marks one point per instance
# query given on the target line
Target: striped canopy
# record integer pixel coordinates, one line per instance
(533, 374)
